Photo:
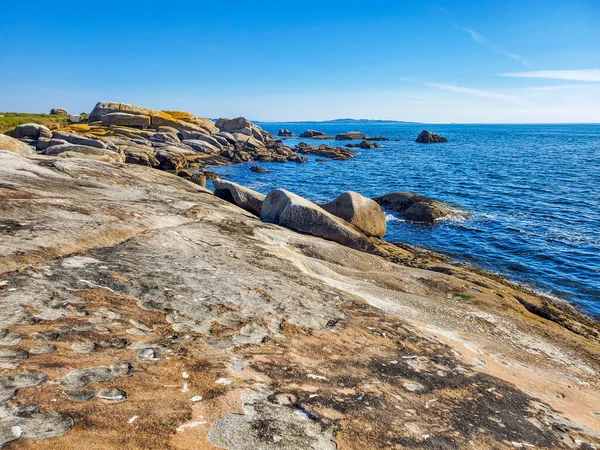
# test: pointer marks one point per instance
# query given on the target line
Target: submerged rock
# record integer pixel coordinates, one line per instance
(328, 151)
(366, 145)
(292, 211)
(241, 196)
(364, 213)
(414, 207)
(427, 137)
(258, 169)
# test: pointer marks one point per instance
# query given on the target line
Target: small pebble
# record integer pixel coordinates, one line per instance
(84, 347)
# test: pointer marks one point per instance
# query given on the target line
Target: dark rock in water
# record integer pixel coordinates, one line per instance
(314, 134)
(258, 169)
(284, 132)
(364, 145)
(301, 159)
(328, 151)
(241, 196)
(292, 211)
(350, 136)
(321, 160)
(427, 137)
(59, 112)
(414, 207)
(364, 213)
(377, 138)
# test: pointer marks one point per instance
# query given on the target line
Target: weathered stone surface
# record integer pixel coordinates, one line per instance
(15, 146)
(43, 143)
(203, 146)
(45, 425)
(12, 355)
(112, 395)
(350, 136)
(103, 108)
(80, 378)
(126, 120)
(243, 197)
(414, 207)
(262, 327)
(83, 151)
(59, 112)
(364, 213)
(76, 139)
(42, 349)
(427, 137)
(31, 131)
(30, 378)
(292, 211)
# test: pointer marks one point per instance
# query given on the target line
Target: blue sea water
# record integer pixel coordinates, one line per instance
(529, 194)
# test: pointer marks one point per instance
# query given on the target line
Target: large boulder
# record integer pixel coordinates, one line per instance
(292, 211)
(241, 196)
(427, 137)
(59, 112)
(126, 120)
(103, 108)
(285, 132)
(43, 143)
(365, 145)
(414, 207)
(202, 146)
(231, 125)
(350, 136)
(364, 213)
(314, 134)
(77, 139)
(83, 151)
(31, 131)
(15, 146)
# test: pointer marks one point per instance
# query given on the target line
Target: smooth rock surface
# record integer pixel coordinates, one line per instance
(364, 213)
(241, 196)
(15, 146)
(292, 211)
(83, 151)
(427, 137)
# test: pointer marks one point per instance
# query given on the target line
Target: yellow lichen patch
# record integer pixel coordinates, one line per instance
(181, 115)
(76, 128)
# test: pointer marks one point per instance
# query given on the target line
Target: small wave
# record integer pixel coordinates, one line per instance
(391, 218)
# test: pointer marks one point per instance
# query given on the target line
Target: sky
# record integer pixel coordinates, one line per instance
(447, 61)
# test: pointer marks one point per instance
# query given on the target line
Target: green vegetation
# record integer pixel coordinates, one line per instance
(9, 120)
(462, 297)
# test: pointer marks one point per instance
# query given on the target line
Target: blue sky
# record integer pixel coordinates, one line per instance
(446, 61)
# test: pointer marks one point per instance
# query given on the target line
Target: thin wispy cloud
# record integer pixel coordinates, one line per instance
(482, 40)
(571, 75)
(556, 87)
(475, 92)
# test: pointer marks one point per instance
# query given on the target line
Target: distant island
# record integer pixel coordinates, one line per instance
(344, 121)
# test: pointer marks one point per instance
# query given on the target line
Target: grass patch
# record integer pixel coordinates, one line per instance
(462, 297)
(9, 121)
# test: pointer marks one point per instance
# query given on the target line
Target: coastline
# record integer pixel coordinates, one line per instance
(228, 332)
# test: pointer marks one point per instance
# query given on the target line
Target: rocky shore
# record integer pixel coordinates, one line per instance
(140, 310)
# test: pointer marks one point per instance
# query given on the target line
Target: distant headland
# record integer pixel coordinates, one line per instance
(341, 121)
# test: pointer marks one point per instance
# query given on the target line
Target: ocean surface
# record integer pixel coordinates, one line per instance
(527, 196)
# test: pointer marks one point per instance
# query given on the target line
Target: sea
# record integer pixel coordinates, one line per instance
(526, 197)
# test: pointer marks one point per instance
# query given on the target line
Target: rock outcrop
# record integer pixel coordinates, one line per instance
(59, 112)
(292, 211)
(167, 140)
(427, 137)
(350, 136)
(364, 213)
(414, 207)
(328, 151)
(285, 133)
(139, 311)
(314, 134)
(241, 196)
